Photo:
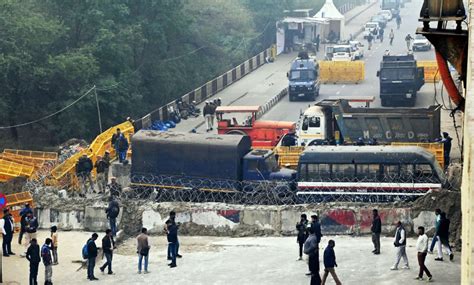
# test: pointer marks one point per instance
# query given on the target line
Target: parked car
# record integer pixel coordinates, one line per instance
(343, 53)
(381, 20)
(371, 27)
(387, 14)
(357, 49)
(421, 43)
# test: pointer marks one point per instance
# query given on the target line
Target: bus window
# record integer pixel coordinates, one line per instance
(303, 172)
(424, 172)
(390, 172)
(406, 172)
(343, 171)
(318, 172)
(367, 172)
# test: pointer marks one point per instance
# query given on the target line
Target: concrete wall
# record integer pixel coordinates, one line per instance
(227, 220)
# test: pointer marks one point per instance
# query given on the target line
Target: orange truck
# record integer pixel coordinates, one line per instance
(242, 120)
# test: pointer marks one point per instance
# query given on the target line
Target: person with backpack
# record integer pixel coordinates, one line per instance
(330, 263)
(89, 252)
(112, 212)
(311, 248)
(33, 256)
(47, 261)
(108, 246)
(301, 227)
(143, 250)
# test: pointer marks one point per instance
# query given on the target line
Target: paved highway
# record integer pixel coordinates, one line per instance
(286, 110)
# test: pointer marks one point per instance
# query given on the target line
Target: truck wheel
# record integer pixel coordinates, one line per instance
(236, 132)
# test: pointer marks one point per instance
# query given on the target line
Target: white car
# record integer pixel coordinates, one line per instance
(421, 43)
(371, 27)
(342, 53)
(387, 14)
(357, 49)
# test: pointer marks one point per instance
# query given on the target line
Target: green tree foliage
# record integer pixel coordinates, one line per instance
(140, 54)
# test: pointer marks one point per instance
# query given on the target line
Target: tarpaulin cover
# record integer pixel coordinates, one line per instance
(191, 155)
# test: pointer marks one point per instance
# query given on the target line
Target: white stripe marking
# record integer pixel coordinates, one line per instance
(359, 193)
(369, 184)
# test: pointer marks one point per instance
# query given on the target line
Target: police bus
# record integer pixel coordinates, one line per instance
(367, 173)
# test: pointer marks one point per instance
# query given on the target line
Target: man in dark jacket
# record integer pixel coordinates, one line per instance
(112, 212)
(23, 214)
(91, 256)
(84, 168)
(172, 236)
(122, 147)
(330, 263)
(172, 219)
(301, 227)
(33, 256)
(443, 234)
(101, 167)
(113, 141)
(447, 142)
(376, 229)
(8, 229)
(108, 246)
(115, 189)
(207, 113)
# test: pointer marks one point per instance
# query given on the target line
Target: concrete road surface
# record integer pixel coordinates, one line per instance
(228, 261)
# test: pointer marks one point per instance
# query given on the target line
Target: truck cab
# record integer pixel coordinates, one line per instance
(343, 53)
(400, 80)
(242, 120)
(261, 164)
(304, 80)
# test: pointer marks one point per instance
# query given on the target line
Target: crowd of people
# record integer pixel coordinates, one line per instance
(309, 236)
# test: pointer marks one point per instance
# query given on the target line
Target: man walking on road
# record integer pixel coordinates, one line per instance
(8, 229)
(408, 39)
(91, 256)
(435, 237)
(108, 246)
(143, 250)
(311, 248)
(33, 256)
(207, 113)
(370, 38)
(422, 249)
(400, 243)
(391, 36)
(31, 228)
(443, 234)
(330, 263)
(376, 229)
(301, 228)
(47, 261)
(381, 32)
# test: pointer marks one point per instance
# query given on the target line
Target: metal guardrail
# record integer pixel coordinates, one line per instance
(207, 90)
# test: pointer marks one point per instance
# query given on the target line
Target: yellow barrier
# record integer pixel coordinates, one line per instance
(9, 169)
(40, 155)
(26, 160)
(342, 71)
(98, 147)
(437, 149)
(288, 156)
(430, 70)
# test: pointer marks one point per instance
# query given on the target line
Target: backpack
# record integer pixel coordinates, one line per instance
(85, 252)
(114, 211)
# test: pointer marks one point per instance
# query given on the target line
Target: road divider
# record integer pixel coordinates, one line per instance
(431, 70)
(342, 71)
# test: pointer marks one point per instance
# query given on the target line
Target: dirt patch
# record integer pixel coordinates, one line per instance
(449, 202)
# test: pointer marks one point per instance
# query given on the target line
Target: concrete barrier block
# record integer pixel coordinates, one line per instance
(425, 219)
(216, 219)
(122, 173)
(288, 221)
(338, 221)
(153, 221)
(265, 220)
(72, 220)
(95, 219)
